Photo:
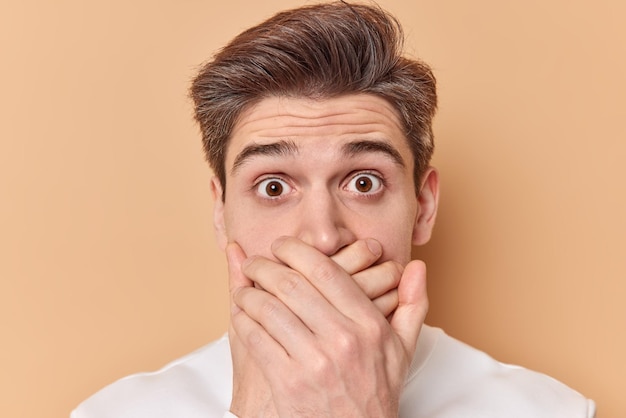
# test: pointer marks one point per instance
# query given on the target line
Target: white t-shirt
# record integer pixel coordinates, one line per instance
(447, 379)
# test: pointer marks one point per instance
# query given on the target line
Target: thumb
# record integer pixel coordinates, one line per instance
(412, 307)
(236, 279)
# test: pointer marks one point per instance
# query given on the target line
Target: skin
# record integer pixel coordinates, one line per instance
(318, 220)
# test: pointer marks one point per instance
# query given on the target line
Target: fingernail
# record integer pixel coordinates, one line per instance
(374, 246)
(245, 263)
(278, 242)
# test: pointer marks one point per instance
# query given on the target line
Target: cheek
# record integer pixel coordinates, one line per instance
(395, 232)
(396, 242)
(255, 234)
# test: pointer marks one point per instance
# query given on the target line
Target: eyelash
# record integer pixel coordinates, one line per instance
(258, 189)
(258, 186)
(367, 195)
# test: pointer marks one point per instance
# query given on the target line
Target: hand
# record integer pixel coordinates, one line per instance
(251, 395)
(250, 390)
(378, 282)
(324, 348)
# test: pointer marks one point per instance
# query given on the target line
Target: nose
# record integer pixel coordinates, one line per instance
(323, 223)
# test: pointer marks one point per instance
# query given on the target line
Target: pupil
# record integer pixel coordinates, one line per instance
(364, 184)
(274, 188)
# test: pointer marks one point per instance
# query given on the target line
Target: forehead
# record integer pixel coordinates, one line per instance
(332, 122)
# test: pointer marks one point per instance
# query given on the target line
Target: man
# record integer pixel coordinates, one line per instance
(319, 133)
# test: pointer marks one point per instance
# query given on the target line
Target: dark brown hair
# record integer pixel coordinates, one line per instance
(318, 51)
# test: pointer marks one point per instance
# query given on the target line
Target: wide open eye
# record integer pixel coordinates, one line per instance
(272, 188)
(365, 183)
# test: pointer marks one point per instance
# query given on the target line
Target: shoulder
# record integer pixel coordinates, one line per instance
(196, 385)
(453, 379)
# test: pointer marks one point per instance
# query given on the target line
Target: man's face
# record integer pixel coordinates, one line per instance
(326, 171)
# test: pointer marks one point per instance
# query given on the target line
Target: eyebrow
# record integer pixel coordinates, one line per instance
(287, 147)
(275, 149)
(353, 149)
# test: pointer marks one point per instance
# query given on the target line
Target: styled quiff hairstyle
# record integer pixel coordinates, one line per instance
(317, 51)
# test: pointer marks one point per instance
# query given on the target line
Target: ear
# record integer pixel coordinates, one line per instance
(218, 213)
(427, 204)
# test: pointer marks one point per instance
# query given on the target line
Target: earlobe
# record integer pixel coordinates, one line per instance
(428, 202)
(219, 224)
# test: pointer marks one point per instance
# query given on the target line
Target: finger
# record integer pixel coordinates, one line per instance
(412, 305)
(358, 255)
(379, 279)
(254, 337)
(236, 279)
(294, 291)
(235, 257)
(257, 341)
(387, 303)
(274, 317)
(328, 278)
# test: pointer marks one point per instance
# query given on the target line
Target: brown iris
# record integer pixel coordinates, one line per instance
(274, 188)
(364, 184)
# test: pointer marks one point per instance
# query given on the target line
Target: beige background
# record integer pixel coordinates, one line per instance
(107, 259)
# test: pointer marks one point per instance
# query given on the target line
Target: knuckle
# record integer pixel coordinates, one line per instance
(377, 331)
(321, 368)
(293, 384)
(324, 272)
(347, 345)
(269, 309)
(289, 283)
(254, 339)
